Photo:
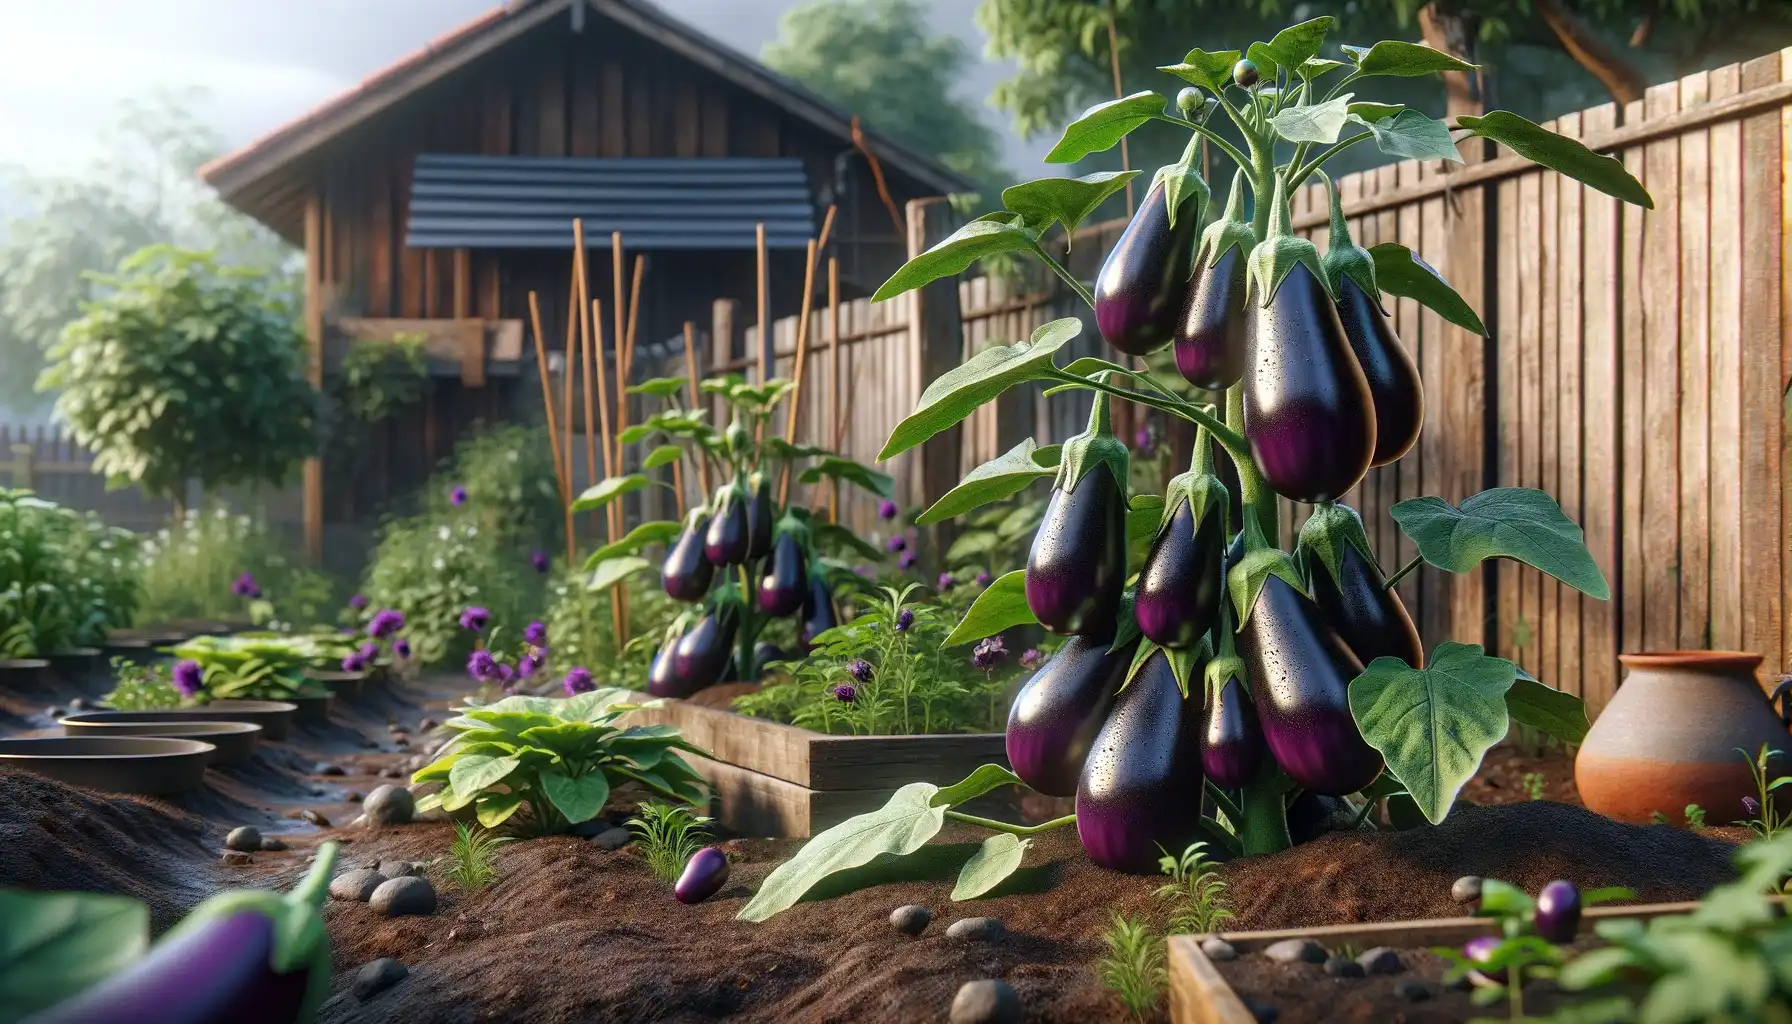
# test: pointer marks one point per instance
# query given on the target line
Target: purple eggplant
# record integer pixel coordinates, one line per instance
(761, 517)
(728, 539)
(1392, 376)
(1143, 285)
(1211, 342)
(662, 679)
(687, 571)
(1077, 566)
(819, 614)
(1300, 676)
(704, 875)
(785, 585)
(1480, 950)
(1558, 912)
(1181, 582)
(1370, 618)
(1056, 715)
(702, 653)
(1232, 744)
(1141, 788)
(1308, 414)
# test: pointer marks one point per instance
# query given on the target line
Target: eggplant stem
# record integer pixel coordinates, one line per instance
(1219, 141)
(1400, 574)
(1362, 815)
(1225, 435)
(1225, 803)
(1066, 276)
(1218, 833)
(1304, 171)
(1255, 494)
(311, 890)
(1013, 830)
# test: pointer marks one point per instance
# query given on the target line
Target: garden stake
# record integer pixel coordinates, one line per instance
(833, 373)
(547, 402)
(764, 288)
(625, 363)
(570, 370)
(591, 438)
(690, 373)
(802, 352)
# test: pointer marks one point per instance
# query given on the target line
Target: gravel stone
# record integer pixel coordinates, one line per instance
(326, 768)
(1343, 967)
(353, 796)
(356, 886)
(1413, 990)
(392, 773)
(1218, 950)
(990, 1001)
(237, 858)
(378, 976)
(389, 805)
(1466, 889)
(314, 818)
(271, 845)
(426, 724)
(984, 929)
(1263, 1012)
(1296, 951)
(396, 897)
(613, 839)
(912, 919)
(396, 868)
(247, 839)
(1381, 960)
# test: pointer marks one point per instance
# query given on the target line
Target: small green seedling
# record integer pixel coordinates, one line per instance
(1196, 892)
(472, 853)
(1134, 968)
(669, 836)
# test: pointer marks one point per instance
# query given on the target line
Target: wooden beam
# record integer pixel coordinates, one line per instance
(463, 283)
(936, 345)
(314, 335)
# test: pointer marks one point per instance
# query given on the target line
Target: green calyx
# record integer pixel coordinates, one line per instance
(1185, 192)
(1222, 670)
(1328, 530)
(1093, 447)
(1343, 257)
(1232, 229)
(1247, 579)
(1182, 661)
(1203, 491)
(739, 438)
(1276, 256)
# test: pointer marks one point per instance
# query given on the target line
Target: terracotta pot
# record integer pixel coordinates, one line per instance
(1676, 733)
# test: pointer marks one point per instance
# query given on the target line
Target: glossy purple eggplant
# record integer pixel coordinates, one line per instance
(662, 677)
(1480, 950)
(785, 585)
(761, 517)
(1056, 714)
(702, 653)
(704, 875)
(1077, 566)
(1211, 341)
(1392, 375)
(727, 541)
(1182, 581)
(1232, 742)
(1558, 912)
(687, 571)
(1308, 414)
(1141, 789)
(1369, 618)
(819, 614)
(1300, 676)
(1143, 285)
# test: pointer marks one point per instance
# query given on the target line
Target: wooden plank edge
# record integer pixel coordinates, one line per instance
(1198, 995)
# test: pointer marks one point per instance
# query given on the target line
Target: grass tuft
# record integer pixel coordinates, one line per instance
(668, 836)
(1196, 893)
(1134, 967)
(471, 855)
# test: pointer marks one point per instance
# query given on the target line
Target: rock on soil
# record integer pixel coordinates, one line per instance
(612, 839)
(388, 805)
(406, 896)
(236, 859)
(357, 885)
(1218, 950)
(1413, 991)
(1295, 951)
(912, 919)
(271, 845)
(377, 977)
(396, 868)
(326, 768)
(246, 839)
(990, 1001)
(1381, 960)
(1339, 966)
(977, 929)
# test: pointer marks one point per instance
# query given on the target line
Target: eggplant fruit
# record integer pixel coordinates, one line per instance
(1141, 789)
(1370, 618)
(818, 612)
(687, 571)
(1308, 414)
(1211, 340)
(761, 517)
(785, 585)
(1393, 377)
(1480, 950)
(1141, 289)
(704, 875)
(1232, 745)
(1182, 581)
(727, 540)
(702, 653)
(1558, 912)
(1300, 674)
(1056, 714)
(662, 677)
(1077, 566)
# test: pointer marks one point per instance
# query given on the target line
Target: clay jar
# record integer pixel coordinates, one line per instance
(1675, 734)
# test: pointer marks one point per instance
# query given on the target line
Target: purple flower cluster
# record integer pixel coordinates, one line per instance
(896, 543)
(946, 582)
(578, 680)
(189, 677)
(989, 653)
(887, 509)
(245, 586)
(905, 619)
(529, 664)
(402, 648)
(1143, 440)
(356, 662)
(1031, 658)
(482, 666)
(358, 602)
(475, 618)
(861, 670)
(536, 635)
(458, 496)
(1752, 806)
(906, 560)
(983, 579)
(386, 622)
(540, 561)
(845, 693)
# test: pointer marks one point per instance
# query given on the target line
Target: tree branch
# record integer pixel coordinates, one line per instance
(1615, 71)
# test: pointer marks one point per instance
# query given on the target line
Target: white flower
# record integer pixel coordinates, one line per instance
(440, 565)
(472, 531)
(444, 533)
(512, 454)
(223, 513)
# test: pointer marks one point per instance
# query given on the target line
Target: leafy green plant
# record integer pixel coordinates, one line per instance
(584, 631)
(1695, 817)
(1766, 819)
(472, 853)
(668, 836)
(381, 377)
(187, 569)
(64, 580)
(555, 759)
(1196, 893)
(141, 687)
(1133, 968)
(1533, 785)
(262, 666)
(995, 540)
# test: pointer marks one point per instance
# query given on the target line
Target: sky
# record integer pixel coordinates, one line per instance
(64, 66)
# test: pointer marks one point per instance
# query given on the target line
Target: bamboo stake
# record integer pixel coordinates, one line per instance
(833, 405)
(570, 370)
(625, 364)
(616, 304)
(690, 372)
(802, 352)
(764, 288)
(593, 345)
(587, 307)
(547, 401)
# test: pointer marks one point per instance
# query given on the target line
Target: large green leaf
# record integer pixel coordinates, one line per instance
(1066, 201)
(959, 391)
(1102, 126)
(54, 945)
(898, 828)
(1402, 59)
(1558, 714)
(833, 534)
(851, 472)
(608, 573)
(954, 254)
(1002, 605)
(579, 799)
(1503, 522)
(477, 771)
(1210, 71)
(1434, 724)
(1313, 122)
(658, 531)
(1292, 46)
(983, 779)
(494, 809)
(609, 490)
(662, 455)
(995, 860)
(1411, 134)
(1559, 153)
(1144, 514)
(1400, 271)
(1001, 477)
(659, 387)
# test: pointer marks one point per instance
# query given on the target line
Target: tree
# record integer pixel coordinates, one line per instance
(876, 59)
(186, 369)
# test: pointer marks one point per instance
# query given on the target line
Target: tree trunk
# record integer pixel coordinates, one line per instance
(1619, 76)
(1446, 28)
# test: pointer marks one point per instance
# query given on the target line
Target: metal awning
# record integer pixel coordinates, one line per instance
(521, 202)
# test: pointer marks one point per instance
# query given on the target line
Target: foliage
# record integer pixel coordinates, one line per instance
(1533, 785)
(473, 852)
(558, 759)
(381, 377)
(1766, 818)
(186, 570)
(186, 369)
(261, 666)
(579, 620)
(996, 539)
(668, 836)
(1133, 968)
(141, 687)
(1195, 891)
(65, 577)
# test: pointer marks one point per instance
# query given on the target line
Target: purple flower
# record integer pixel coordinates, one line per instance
(905, 619)
(845, 694)
(536, 635)
(402, 648)
(475, 618)
(528, 665)
(506, 674)
(946, 582)
(1031, 657)
(886, 509)
(369, 651)
(577, 681)
(539, 560)
(482, 666)
(1142, 440)
(983, 579)
(386, 622)
(989, 653)
(458, 496)
(245, 586)
(906, 560)
(354, 663)
(861, 670)
(358, 602)
(1752, 806)
(896, 543)
(189, 678)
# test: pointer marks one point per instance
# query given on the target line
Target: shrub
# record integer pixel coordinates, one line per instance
(187, 569)
(65, 577)
(584, 634)
(142, 687)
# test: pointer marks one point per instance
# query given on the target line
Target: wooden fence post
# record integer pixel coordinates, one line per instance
(723, 315)
(936, 344)
(23, 457)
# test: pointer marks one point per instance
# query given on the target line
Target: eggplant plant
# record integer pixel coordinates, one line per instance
(1307, 684)
(740, 559)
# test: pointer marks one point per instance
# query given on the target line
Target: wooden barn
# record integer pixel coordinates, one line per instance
(433, 197)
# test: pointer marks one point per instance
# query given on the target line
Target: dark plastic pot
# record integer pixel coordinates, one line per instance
(235, 741)
(274, 716)
(135, 765)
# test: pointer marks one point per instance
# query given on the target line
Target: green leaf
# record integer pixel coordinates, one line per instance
(1400, 271)
(954, 254)
(1401, 59)
(1559, 153)
(1558, 714)
(579, 799)
(959, 391)
(1002, 605)
(1503, 522)
(613, 571)
(851, 472)
(1102, 126)
(659, 531)
(55, 945)
(475, 772)
(899, 828)
(1000, 477)
(1413, 135)
(995, 860)
(1316, 67)
(661, 455)
(1210, 71)
(983, 779)
(826, 534)
(1144, 514)
(1294, 45)
(609, 490)
(1368, 111)
(1313, 122)
(1434, 724)
(494, 809)
(1066, 201)
(659, 387)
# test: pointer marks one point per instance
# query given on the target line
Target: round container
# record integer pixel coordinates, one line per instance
(1682, 729)
(312, 710)
(235, 741)
(137, 651)
(25, 676)
(136, 765)
(273, 716)
(78, 666)
(347, 685)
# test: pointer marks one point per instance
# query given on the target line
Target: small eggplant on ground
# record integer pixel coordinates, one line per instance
(785, 586)
(1211, 341)
(727, 541)
(687, 571)
(1076, 568)
(1142, 288)
(702, 653)
(1183, 579)
(1057, 713)
(1350, 590)
(704, 875)
(1557, 916)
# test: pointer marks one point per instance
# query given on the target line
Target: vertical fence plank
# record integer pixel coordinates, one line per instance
(1763, 235)
(1530, 389)
(1660, 496)
(1571, 399)
(1549, 426)
(1695, 385)
(1507, 347)
(1631, 350)
(1725, 340)
(1407, 475)
(1600, 428)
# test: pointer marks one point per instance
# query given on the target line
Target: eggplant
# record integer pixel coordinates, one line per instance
(761, 517)
(1182, 581)
(1300, 674)
(728, 540)
(764, 653)
(1211, 341)
(785, 585)
(818, 612)
(1370, 618)
(1558, 912)
(1393, 377)
(702, 653)
(1232, 743)
(1480, 950)
(1077, 566)
(662, 679)
(1141, 788)
(704, 875)
(1308, 414)
(1056, 714)
(687, 571)
(1143, 284)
